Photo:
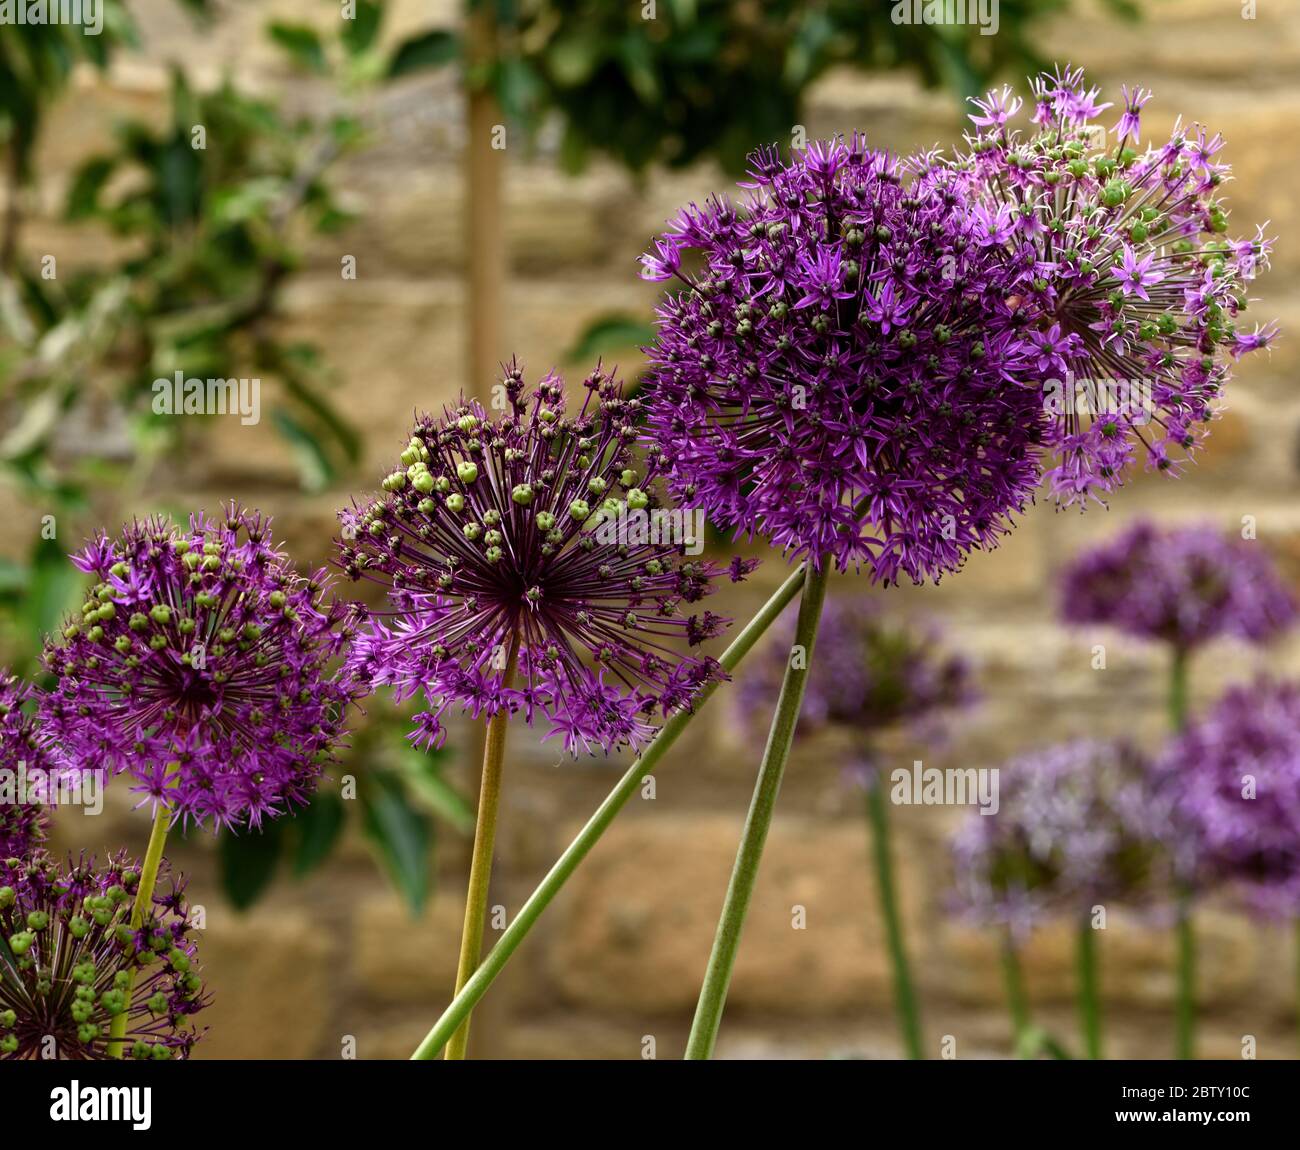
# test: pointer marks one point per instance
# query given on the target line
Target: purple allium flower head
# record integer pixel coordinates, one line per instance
(1185, 586)
(204, 666)
(534, 529)
(870, 670)
(844, 371)
(1126, 253)
(1073, 825)
(75, 954)
(1232, 780)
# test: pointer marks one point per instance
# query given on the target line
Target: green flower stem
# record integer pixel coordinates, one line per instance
(1089, 989)
(497, 958)
(1186, 1031)
(905, 1004)
(480, 870)
(717, 977)
(1017, 1003)
(1178, 673)
(1185, 1028)
(140, 908)
(1297, 975)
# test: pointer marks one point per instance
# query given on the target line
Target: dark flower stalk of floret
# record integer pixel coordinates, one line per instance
(1133, 284)
(531, 569)
(81, 980)
(1076, 825)
(23, 748)
(871, 673)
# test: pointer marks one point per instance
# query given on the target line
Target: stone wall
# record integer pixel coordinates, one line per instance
(620, 956)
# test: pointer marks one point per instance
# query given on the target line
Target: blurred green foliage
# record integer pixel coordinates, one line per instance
(672, 81)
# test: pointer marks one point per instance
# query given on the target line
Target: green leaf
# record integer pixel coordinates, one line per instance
(54, 586)
(572, 56)
(612, 332)
(248, 861)
(427, 50)
(319, 827)
(639, 66)
(311, 399)
(518, 88)
(359, 32)
(401, 836)
(302, 44)
(83, 196)
(423, 774)
(14, 578)
(314, 466)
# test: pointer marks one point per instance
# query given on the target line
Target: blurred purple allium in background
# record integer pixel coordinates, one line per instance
(1074, 825)
(870, 670)
(204, 666)
(845, 371)
(534, 527)
(1129, 274)
(1184, 585)
(1232, 783)
(74, 955)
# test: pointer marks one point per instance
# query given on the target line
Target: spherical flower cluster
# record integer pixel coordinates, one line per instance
(846, 371)
(73, 963)
(1184, 586)
(869, 670)
(1134, 288)
(203, 665)
(1232, 780)
(533, 537)
(1074, 824)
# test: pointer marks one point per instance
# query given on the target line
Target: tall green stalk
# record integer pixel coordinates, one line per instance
(1017, 1002)
(480, 870)
(1185, 1043)
(497, 958)
(726, 942)
(1297, 976)
(1179, 668)
(1089, 989)
(140, 909)
(1185, 993)
(905, 1003)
